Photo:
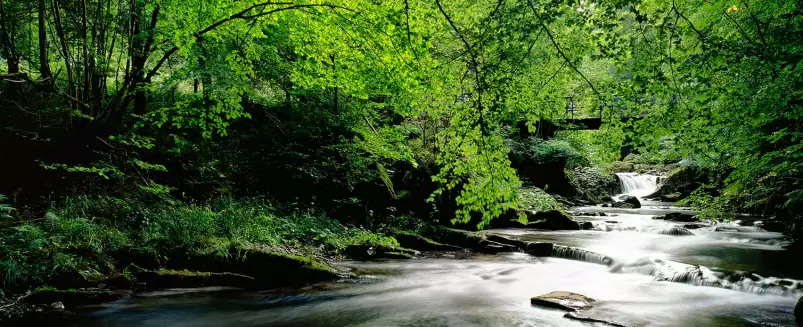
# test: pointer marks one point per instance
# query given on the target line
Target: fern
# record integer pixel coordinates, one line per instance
(5, 209)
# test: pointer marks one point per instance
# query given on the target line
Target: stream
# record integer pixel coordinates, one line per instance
(719, 276)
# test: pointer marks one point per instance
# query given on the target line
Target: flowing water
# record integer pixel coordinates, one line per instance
(639, 273)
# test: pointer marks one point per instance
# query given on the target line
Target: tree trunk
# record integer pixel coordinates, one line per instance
(5, 42)
(44, 66)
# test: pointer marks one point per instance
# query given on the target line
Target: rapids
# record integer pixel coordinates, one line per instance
(722, 274)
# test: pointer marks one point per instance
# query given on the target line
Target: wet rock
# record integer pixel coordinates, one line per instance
(587, 318)
(539, 249)
(771, 225)
(57, 306)
(679, 217)
(631, 200)
(456, 237)
(676, 231)
(372, 251)
(623, 205)
(552, 220)
(562, 300)
(504, 240)
(683, 181)
(165, 278)
(612, 221)
(586, 225)
(799, 312)
(693, 226)
(420, 243)
(73, 298)
(15, 312)
(491, 247)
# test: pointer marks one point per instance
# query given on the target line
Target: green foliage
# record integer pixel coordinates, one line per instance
(541, 151)
(536, 200)
(593, 183)
(86, 233)
(5, 208)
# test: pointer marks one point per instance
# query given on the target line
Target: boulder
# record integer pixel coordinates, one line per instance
(562, 300)
(552, 220)
(420, 243)
(676, 231)
(586, 225)
(680, 183)
(631, 200)
(679, 217)
(622, 167)
(799, 312)
(539, 249)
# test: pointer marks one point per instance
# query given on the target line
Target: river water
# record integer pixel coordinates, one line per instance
(638, 275)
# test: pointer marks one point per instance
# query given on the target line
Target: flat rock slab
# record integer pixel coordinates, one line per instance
(564, 301)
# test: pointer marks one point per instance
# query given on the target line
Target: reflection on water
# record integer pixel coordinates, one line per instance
(639, 276)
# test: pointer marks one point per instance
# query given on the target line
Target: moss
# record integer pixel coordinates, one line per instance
(166, 278)
(421, 243)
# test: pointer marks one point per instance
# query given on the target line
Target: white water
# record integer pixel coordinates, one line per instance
(640, 277)
(636, 184)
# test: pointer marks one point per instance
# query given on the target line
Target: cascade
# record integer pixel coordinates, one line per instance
(567, 252)
(637, 184)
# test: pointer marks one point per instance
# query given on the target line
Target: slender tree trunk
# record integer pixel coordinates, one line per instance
(5, 42)
(65, 51)
(86, 69)
(44, 65)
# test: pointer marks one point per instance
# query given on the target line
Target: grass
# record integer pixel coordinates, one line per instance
(81, 236)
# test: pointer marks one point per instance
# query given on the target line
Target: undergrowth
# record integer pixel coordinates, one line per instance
(85, 234)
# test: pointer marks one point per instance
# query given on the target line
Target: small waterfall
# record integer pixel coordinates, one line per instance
(676, 272)
(637, 184)
(567, 252)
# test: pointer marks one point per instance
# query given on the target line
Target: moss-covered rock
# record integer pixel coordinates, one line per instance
(456, 237)
(373, 251)
(672, 197)
(72, 298)
(269, 267)
(680, 183)
(622, 167)
(521, 245)
(465, 239)
(421, 243)
(165, 278)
